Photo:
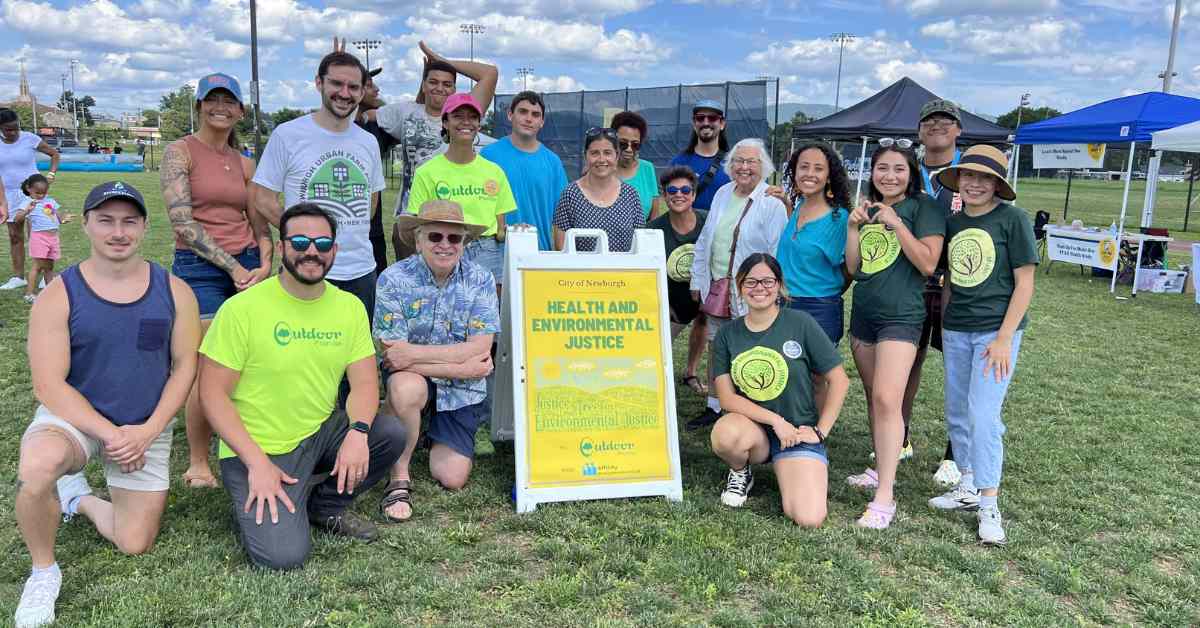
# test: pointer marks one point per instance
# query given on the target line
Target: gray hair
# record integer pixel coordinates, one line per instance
(768, 166)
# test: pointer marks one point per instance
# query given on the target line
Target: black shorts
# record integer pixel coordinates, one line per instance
(874, 332)
(683, 309)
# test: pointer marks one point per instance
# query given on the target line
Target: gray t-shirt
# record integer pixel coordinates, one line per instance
(339, 172)
(420, 137)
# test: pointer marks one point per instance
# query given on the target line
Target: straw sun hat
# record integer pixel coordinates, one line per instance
(985, 159)
(436, 211)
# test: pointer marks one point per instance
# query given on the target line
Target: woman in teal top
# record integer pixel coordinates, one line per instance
(812, 249)
(893, 242)
(631, 132)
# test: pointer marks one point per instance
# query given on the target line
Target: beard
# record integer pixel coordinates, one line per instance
(290, 265)
(328, 104)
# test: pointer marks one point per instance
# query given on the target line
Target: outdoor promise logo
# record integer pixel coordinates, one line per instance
(285, 335)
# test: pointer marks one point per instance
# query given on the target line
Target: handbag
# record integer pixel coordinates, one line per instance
(717, 302)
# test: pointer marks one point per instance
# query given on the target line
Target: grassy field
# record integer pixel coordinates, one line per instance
(1099, 497)
(1098, 203)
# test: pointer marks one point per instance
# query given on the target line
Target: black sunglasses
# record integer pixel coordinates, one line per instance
(687, 189)
(629, 145)
(436, 236)
(300, 243)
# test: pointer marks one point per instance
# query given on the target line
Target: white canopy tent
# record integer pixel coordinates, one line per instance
(1184, 138)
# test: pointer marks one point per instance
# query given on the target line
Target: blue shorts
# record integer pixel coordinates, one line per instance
(452, 428)
(815, 451)
(211, 285)
(829, 312)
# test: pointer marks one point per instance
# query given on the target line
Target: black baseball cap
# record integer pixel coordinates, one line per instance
(113, 189)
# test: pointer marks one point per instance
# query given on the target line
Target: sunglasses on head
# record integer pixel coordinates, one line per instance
(300, 243)
(598, 131)
(629, 145)
(706, 117)
(436, 236)
(671, 189)
(888, 142)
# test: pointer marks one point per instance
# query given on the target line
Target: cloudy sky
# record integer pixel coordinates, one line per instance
(983, 53)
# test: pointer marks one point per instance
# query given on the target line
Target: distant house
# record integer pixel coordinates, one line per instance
(51, 121)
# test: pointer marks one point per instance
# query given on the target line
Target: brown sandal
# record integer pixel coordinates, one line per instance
(693, 382)
(396, 492)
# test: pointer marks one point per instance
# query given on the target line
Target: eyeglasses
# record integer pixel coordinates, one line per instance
(766, 283)
(633, 145)
(436, 236)
(672, 190)
(300, 243)
(707, 117)
(937, 123)
(744, 161)
(888, 142)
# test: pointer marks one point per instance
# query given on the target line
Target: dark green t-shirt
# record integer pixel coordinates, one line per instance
(774, 367)
(889, 288)
(680, 253)
(983, 251)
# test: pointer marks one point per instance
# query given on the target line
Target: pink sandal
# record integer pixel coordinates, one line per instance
(877, 516)
(867, 479)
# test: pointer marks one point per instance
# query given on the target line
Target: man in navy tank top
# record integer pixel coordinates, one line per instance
(112, 351)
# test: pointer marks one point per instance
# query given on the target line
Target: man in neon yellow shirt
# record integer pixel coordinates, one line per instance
(271, 365)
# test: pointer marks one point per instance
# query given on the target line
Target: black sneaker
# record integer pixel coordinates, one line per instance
(347, 524)
(706, 419)
(737, 487)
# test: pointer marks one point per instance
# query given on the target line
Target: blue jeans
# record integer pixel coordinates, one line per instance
(211, 285)
(488, 253)
(829, 312)
(973, 404)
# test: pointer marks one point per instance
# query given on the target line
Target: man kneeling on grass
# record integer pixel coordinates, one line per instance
(112, 349)
(273, 359)
(435, 315)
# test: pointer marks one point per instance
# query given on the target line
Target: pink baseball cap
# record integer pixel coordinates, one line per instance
(461, 99)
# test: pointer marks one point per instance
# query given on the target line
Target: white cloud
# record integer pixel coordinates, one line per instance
(166, 9)
(927, 73)
(815, 55)
(290, 20)
(976, 7)
(472, 9)
(991, 37)
(547, 84)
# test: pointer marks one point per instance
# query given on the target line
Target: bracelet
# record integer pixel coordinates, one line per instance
(820, 435)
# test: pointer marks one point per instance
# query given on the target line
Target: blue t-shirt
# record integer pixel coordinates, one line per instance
(537, 180)
(812, 258)
(700, 165)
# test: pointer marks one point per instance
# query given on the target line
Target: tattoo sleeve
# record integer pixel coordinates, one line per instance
(177, 193)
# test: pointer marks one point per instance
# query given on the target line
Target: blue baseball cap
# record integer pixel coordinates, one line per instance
(708, 103)
(113, 189)
(218, 81)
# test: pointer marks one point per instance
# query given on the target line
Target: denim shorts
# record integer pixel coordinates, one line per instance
(829, 312)
(452, 428)
(815, 451)
(488, 253)
(874, 332)
(211, 285)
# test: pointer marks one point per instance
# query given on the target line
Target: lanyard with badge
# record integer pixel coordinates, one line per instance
(956, 204)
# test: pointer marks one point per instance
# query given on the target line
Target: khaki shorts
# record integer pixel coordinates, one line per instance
(154, 476)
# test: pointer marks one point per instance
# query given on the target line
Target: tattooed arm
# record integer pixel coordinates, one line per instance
(177, 194)
(262, 232)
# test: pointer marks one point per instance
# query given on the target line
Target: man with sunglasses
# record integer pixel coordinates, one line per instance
(272, 363)
(435, 319)
(705, 151)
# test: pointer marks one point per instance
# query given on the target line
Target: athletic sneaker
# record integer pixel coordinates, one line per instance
(737, 487)
(14, 283)
(70, 489)
(947, 473)
(37, 600)
(906, 453)
(958, 498)
(991, 526)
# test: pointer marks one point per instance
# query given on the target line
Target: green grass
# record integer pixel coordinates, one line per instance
(1099, 495)
(1098, 203)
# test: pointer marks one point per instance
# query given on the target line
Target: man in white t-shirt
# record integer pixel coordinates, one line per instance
(323, 158)
(418, 124)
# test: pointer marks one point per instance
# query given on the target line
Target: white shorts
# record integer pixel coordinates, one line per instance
(16, 200)
(154, 476)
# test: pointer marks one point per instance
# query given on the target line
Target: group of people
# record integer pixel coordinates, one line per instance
(286, 368)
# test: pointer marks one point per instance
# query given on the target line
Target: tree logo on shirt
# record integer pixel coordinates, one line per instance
(442, 190)
(283, 334)
(760, 373)
(679, 262)
(972, 256)
(878, 246)
(337, 182)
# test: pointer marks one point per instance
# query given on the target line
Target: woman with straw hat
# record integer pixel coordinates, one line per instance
(992, 256)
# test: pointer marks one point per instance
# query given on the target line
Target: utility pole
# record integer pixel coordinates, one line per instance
(842, 39)
(74, 100)
(524, 74)
(367, 45)
(254, 77)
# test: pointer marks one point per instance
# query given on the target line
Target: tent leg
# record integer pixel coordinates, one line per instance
(862, 156)
(1067, 203)
(1112, 286)
(1188, 211)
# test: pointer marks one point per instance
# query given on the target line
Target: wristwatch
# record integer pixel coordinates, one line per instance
(360, 426)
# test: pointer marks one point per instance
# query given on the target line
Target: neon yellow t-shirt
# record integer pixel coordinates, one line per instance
(291, 354)
(480, 187)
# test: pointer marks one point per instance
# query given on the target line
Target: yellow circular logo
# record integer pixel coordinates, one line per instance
(878, 246)
(1108, 251)
(972, 257)
(679, 263)
(491, 188)
(1095, 151)
(760, 373)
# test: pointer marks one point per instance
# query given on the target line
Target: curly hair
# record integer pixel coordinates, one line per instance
(916, 185)
(33, 180)
(633, 120)
(838, 183)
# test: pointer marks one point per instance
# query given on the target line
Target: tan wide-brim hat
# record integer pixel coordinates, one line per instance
(436, 211)
(985, 159)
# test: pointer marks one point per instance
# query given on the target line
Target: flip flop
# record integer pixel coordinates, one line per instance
(693, 382)
(396, 492)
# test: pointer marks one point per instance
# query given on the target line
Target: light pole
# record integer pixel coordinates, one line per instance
(74, 100)
(254, 77)
(524, 74)
(1016, 165)
(367, 45)
(471, 30)
(842, 39)
(1169, 73)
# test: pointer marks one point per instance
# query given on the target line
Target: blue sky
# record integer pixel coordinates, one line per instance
(982, 53)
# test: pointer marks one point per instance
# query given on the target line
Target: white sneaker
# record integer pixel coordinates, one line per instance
(37, 600)
(737, 487)
(958, 498)
(42, 283)
(70, 489)
(14, 283)
(947, 473)
(991, 526)
(906, 453)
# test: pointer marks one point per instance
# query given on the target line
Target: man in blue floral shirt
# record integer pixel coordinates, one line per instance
(435, 316)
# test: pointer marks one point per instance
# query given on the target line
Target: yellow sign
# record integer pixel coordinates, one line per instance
(1096, 151)
(1108, 251)
(595, 390)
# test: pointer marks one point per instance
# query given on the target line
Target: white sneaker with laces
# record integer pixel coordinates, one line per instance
(947, 473)
(958, 498)
(37, 600)
(991, 526)
(70, 488)
(737, 487)
(13, 283)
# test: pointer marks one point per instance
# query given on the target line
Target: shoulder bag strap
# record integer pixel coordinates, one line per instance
(736, 230)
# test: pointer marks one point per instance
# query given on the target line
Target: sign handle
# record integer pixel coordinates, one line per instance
(600, 235)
